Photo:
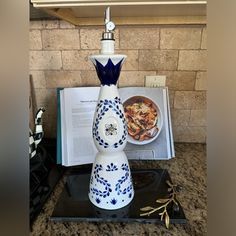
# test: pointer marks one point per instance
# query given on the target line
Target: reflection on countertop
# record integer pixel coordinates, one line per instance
(187, 169)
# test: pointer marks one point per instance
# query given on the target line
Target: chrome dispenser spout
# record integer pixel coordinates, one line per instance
(109, 25)
(107, 15)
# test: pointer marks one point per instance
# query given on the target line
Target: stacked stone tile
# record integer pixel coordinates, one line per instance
(59, 58)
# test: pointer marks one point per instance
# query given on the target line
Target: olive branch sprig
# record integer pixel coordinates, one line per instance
(173, 189)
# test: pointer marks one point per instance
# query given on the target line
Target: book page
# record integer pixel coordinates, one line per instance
(159, 148)
(170, 125)
(165, 106)
(77, 111)
(63, 130)
(80, 105)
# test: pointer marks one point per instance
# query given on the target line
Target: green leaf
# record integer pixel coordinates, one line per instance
(147, 208)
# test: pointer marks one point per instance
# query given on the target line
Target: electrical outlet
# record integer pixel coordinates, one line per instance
(155, 81)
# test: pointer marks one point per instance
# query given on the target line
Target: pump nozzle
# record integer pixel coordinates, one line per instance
(107, 15)
(109, 25)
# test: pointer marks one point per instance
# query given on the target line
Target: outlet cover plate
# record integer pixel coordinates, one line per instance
(155, 81)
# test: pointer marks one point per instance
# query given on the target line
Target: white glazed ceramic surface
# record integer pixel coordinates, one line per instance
(103, 59)
(109, 126)
(111, 184)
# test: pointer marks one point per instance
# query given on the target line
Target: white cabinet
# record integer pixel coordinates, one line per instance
(131, 12)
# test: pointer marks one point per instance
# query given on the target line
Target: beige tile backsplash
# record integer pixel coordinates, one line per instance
(60, 39)
(180, 38)
(139, 38)
(192, 60)
(59, 58)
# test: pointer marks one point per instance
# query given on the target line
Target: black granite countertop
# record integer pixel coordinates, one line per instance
(187, 169)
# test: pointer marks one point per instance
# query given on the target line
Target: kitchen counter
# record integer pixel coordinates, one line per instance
(187, 169)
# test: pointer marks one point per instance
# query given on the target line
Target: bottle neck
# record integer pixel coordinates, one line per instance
(108, 92)
(107, 46)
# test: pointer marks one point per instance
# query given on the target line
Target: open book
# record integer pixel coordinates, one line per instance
(152, 140)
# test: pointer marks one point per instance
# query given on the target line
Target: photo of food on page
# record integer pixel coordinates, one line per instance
(149, 129)
(144, 119)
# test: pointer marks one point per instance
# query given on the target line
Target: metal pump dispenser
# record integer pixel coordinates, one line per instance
(108, 41)
(109, 26)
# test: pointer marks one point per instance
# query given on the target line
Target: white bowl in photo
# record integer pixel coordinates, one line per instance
(144, 119)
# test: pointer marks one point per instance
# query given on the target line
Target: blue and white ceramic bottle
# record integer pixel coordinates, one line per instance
(111, 184)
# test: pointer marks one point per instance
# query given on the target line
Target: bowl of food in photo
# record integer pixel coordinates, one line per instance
(144, 119)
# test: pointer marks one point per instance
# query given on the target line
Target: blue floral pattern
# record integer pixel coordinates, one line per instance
(102, 107)
(111, 167)
(100, 195)
(125, 168)
(102, 181)
(98, 200)
(113, 201)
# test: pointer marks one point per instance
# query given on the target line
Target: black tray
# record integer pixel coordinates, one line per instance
(149, 185)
